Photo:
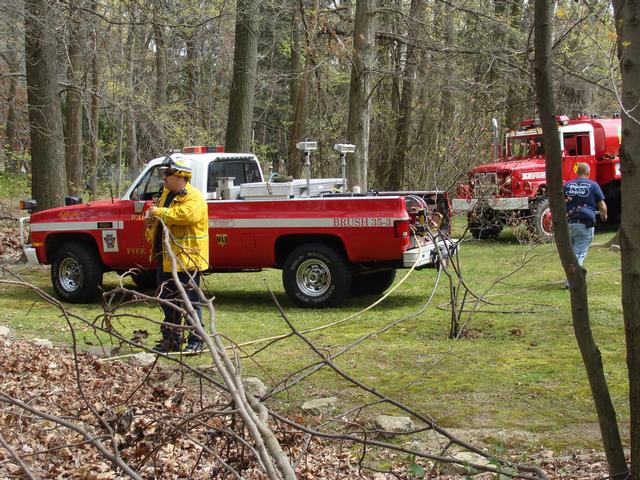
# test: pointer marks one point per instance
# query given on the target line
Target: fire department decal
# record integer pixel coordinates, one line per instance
(221, 239)
(110, 241)
(533, 176)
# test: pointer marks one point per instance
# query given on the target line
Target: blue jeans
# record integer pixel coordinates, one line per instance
(172, 316)
(581, 238)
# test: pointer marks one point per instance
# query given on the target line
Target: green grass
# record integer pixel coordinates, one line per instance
(518, 370)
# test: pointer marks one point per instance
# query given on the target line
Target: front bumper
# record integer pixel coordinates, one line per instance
(426, 254)
(462, 205)
(27, 248)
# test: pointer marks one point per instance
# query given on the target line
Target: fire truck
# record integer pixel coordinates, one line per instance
(327, 241)
(513, 189)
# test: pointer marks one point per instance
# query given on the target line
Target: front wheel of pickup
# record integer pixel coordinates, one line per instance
(76, 273)
(316, 276)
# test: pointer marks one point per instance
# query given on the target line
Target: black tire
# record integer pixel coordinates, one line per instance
(542, 227)
(372, 283)
(316, 276)
(145, 280)
(76, 273)
(484, 225)
(485, 233)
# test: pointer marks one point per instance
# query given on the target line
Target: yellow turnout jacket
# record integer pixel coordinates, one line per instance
(187, 218)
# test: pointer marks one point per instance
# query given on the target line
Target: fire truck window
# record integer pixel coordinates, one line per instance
(522, 147)
(583, 144)
(242, 170)
(149, 186)
(570, 145)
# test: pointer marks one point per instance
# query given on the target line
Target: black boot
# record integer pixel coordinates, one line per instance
(170, 343)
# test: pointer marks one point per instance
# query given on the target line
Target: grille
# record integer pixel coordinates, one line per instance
(486, 184)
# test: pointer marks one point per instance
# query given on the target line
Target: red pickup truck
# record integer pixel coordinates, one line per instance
(327, 242)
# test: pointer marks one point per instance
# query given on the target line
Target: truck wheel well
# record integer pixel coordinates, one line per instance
(285, 245)
(54, 241)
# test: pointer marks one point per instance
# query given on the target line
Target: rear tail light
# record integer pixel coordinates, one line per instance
(29, 205)
(401, 228)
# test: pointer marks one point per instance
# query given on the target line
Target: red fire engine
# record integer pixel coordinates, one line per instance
(327, 241)
(513, 189)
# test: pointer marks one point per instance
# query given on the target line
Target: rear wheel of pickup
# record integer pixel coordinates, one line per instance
(372, 283)
(76, 273)
(542, 226)
(315, 275)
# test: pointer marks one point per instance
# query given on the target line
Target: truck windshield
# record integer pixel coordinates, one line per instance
(525, 147)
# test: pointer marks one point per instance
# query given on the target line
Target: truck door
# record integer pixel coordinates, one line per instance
(577, 149)
(134, 243)
(230, 246)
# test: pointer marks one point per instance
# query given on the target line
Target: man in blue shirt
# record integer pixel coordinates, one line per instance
(583, 197)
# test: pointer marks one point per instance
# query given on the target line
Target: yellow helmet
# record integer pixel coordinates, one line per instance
(176, 166)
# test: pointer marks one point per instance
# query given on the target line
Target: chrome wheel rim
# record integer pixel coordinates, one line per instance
(546, 223)
(70, 274)
(313, 277)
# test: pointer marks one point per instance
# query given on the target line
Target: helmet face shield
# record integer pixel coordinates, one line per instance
(175, 166)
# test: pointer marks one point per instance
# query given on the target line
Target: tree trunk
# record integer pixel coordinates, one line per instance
(94, 127)
(245, 62)
(161, 56)
(579, 305)
(360, 92)
(190, 72)
(391, 54)
(49, 178)
(403, 123)
(74, 103)
(626, 15)
(9, 145)
(118, 170)
(300, 79)
(514, 102)
(133, 160)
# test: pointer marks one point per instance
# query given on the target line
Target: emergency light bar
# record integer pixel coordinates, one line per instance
(307, 146)
(535, 122)
(204, 149)
(343, 148)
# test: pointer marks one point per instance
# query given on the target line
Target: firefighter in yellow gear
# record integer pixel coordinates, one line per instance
(183, 209)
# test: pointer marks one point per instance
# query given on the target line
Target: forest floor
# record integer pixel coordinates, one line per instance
(48, 378)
